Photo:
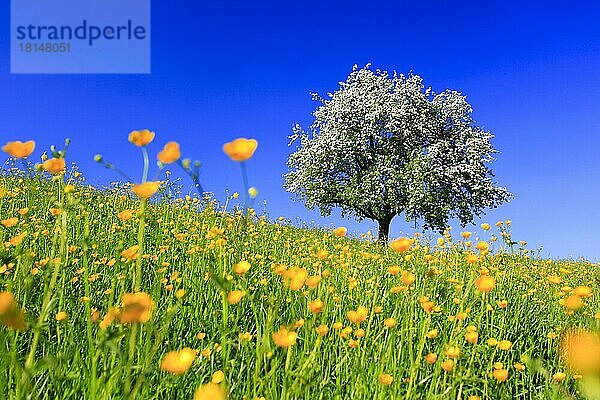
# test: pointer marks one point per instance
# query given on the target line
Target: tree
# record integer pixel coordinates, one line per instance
(383, 145)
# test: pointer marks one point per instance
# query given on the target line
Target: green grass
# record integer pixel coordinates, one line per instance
(77, 359)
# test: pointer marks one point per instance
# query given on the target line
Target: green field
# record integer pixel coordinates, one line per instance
(63, 260)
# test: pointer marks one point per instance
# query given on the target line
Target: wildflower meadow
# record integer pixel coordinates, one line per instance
(137, 291)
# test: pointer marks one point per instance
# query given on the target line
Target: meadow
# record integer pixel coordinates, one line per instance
(137, 291)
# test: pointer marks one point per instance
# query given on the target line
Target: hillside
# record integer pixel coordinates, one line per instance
(267, 310)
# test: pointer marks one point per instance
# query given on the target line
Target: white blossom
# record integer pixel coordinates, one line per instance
(384, 144)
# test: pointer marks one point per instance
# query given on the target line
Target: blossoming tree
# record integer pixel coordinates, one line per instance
(384, 144)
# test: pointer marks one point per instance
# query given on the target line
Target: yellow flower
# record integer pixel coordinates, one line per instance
(11, 314)
(313, 281)
(452, 352)
(241, 268)
(210, 391)
(519, 367)
(432, 334)
(431, 358)
(218, 377)
(19, 149)
(240, 149)
(482, 246)
(284, 338)
(573, 302)
(170, 153)
(15, 241)
(471, 337)
(485, 226)
(145, 190)
(55, 166)
(109, 318)
(294, 278)
(131, 253)
(402, 244)
(448, 365)
(485, 283)
(472, 258)
(136, 307)
(322, 330)
(322, 254)
(583, 291)
(554, 279)
(316, 306)
(394, 269)
(340, 232)
(61, 316)
(125, 215)
(501, 374)
(345, 332)
(178, 362)
(580, 351)
(428, 306)
(504, 345)
(141, 138)
(389, 322)
(385, 379)
(466, 234)
(559, 376)
(280, 269)
(9, 222)
(408, 278)
(235, 296)
(357, 316)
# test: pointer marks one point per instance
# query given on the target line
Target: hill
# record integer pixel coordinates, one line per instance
(263, 309)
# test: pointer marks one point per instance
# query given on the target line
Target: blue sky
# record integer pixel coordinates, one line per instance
(530, 70)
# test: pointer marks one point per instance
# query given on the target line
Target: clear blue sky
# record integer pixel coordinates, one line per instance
(530, 70)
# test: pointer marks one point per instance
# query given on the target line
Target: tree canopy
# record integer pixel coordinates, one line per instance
(383, 144)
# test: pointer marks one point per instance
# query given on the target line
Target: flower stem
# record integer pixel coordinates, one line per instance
(137, 280)
(157, 342)
(288, 359)
(246, 186)
(137, 283)
(224, 327)
(146, 164)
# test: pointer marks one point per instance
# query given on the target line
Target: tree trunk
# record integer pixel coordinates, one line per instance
(383, 230)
